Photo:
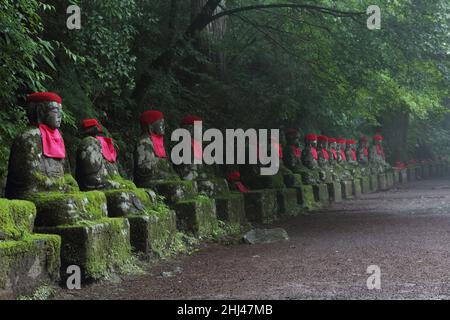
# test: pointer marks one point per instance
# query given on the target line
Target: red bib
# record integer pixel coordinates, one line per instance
(297, 151)
(52, 143)
(158, 145)
(314, 153)
(343, 155)
(108, 150)
(353, 154)
(333, 151)
(366, 152)
(325, 154)
(240, 186)
(380, 151)
(197, 147)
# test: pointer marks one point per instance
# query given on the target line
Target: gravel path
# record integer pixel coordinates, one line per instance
(405, 231)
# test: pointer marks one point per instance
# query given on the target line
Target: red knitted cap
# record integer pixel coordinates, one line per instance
(44, 96)
(322, 138)
(150, 116)
(311, 137)
(88, 123)
(189, 120)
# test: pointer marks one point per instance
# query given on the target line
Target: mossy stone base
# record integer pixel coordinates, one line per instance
(197, 216)
(411, 174)
(16, 219)
(55, 209)
(153, 235)
(321, 194)
(419, 172)
(257, 182)
(287, 202)
(212, 187)
(347, 189)
(356, 188)
(175, 191)
(26, 264)
(97, 247)
(389, 179)
(403, 175)
(382, 182)
(335, 191)
(374, 183)
(292, 180)
(365, 184)
(425, 171)
(261, 206)
(305, 197)
(122, 203)
(230, 208)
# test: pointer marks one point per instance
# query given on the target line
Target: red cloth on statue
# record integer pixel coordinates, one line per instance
(158, 145)
(240, 186)
(380, 151)
(108, 150)
(52, 143)
(333, 151)
(343, 155)
(366, 152)
(325, 154)
(314, 153)
(353, 154)
(197, 147)
(297, 151)
(280, 149)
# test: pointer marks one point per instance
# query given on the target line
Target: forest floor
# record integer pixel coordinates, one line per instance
(405, 231)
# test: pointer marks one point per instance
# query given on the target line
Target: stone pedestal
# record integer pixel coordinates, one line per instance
(411, 173)
(230, 208)
(347, 189)
(174, 191)
(425, 171)
(153, 234)
(334, 191)
(287, 203)
(305, 197)
(356, 188)
(261, 206)
(403, 176)
(89, 239)
(26, 260)
(382, 182)
(197, 216)
(373, 183)
(389, 179)
(365, 184)
(321, 194)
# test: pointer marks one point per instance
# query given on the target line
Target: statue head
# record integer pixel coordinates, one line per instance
(341, 144)
(91, 127)
(152, 121)
(363, 141)
(188, 123)
(351, 144)
(292, 136)
(311, 140)
(45, 108)
(332, 143)
(322, 141)
(377, 139)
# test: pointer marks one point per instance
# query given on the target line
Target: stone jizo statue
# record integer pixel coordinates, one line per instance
(96, 159)
(38, 156)
(363, 151)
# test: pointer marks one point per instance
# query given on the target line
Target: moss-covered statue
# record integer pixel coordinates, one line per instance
(292, 155)
(37, 172)
(310, 159)
(352, 159)
(151, 163)
(324, 159)
(96, 159)
(38, 156)
(363, 155)
(203, 175)
(377, 158)
(341, 146)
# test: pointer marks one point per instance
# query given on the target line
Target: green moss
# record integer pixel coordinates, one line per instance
(125, 184)
(44, 292)
(65, 183)
(12, 252)
(54, 208)
(16, 219)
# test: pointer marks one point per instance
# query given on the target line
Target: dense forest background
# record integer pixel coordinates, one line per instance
(237, 63)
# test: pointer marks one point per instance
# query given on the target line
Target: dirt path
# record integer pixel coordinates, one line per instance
(405, 231)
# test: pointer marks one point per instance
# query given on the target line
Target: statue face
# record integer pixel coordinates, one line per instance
(51, 115)
(323, 144)
(158, 127)
(333, 145)
(313, 143)
(293, 139)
